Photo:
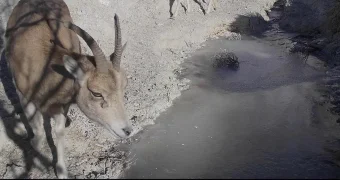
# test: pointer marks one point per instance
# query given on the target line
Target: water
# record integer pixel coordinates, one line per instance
(263, 121)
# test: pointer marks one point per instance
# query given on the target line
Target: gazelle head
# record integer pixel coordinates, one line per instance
(102, 86)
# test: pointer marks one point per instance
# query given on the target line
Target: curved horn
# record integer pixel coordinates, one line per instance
(97, 52)
(117, 55)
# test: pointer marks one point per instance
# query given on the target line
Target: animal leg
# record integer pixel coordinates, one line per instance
(20, 128)
(36, 121)
(215, 4)
(178, 3)
(60, 121)
(188, 6)
(211, 5)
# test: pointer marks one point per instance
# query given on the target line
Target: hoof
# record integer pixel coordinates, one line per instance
(61, 172)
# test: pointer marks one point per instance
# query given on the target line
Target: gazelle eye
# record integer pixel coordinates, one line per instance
(96, 94)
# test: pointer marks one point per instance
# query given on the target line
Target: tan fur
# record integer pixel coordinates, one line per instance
(29, 49)
(37, 50)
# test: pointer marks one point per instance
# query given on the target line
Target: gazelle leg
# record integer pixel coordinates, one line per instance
(210, 6)
(178, 3)
(188, 6)
(215, 4)
(20, 128)
(36, 121)
(60, 121)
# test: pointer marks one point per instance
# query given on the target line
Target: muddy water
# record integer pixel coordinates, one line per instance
(262, 121)
(265, 120)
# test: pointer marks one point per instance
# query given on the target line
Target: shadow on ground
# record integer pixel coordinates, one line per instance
(252, 24)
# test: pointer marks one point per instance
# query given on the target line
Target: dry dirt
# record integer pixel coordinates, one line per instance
(157, 45)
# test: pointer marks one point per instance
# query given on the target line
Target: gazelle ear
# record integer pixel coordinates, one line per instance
(73, 67)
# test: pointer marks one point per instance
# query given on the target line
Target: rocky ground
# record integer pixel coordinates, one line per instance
(157, 45)
(318, 28)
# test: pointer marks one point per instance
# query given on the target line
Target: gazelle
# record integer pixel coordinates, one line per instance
(50, 73)
(212, 4)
